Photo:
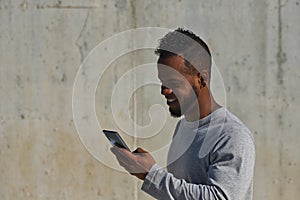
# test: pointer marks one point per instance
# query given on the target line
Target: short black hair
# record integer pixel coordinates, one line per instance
(189, 46)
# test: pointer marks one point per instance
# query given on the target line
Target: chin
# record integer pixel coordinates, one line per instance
(175, 113)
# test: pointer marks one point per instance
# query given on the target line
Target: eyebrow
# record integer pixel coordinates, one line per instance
(171, 81)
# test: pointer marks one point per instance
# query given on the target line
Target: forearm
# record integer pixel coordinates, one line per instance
(163, 185)
(230, 176)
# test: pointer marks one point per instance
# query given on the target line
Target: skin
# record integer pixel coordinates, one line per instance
(178, 86)
(189, 94)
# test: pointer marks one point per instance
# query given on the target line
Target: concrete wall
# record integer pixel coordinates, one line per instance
(255, 46)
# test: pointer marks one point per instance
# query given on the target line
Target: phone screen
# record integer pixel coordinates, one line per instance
(115, 139)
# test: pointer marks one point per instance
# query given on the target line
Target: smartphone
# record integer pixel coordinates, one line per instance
(115, 139)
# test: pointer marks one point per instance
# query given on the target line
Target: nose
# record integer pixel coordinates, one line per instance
(165, 90)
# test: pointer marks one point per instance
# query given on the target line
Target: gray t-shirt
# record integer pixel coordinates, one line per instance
(212, 158)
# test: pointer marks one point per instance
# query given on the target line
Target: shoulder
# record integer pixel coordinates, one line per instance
(234, 128)
(235, 136)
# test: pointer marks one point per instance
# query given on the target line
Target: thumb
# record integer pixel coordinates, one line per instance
(140, 150)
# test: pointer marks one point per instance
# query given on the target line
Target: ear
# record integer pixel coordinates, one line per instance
(203, 78)
(197, 80)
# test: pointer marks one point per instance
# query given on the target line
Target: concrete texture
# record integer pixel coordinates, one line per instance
(255, 46)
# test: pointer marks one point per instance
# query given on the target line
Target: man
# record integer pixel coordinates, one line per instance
(212, 152)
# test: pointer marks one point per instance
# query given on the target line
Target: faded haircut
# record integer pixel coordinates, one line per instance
(189, 46)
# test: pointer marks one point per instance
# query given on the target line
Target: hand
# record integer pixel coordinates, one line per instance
(137, 163)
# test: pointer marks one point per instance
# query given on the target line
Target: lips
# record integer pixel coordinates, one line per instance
(171, 101)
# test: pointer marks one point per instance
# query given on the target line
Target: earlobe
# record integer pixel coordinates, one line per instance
(202, 79)
(205, 76)
(202, 82)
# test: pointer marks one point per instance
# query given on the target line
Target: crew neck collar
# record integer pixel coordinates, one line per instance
(203, 121)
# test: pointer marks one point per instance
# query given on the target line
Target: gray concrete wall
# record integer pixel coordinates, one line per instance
(43, 43)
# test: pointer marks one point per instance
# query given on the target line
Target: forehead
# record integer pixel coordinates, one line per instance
(170, 67)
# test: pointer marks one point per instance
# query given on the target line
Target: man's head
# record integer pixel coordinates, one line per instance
(189, 46)
(184, 68)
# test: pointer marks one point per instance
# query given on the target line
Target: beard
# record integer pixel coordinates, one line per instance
(177, 109)
(175, 112)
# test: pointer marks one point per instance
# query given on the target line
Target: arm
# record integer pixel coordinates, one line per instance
(229, 174)
(137, 163)
(163, 185)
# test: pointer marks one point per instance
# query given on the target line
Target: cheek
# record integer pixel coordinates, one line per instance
(184, 90)
(181, 93)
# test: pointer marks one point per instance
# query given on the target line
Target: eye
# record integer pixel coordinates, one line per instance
(173, 85)
(163, 87)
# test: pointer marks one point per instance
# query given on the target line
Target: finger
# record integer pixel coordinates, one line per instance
(125, 162)
(129, 167)
(119, 151)
(126, 165)
(120, 156)
(125, 151)
(140, 150)
(115, 150)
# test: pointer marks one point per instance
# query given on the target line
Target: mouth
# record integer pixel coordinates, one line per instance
(171, 101)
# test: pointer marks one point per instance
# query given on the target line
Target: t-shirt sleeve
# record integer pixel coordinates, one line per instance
(229, 175)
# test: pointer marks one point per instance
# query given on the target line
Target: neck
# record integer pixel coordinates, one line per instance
(206, 105)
